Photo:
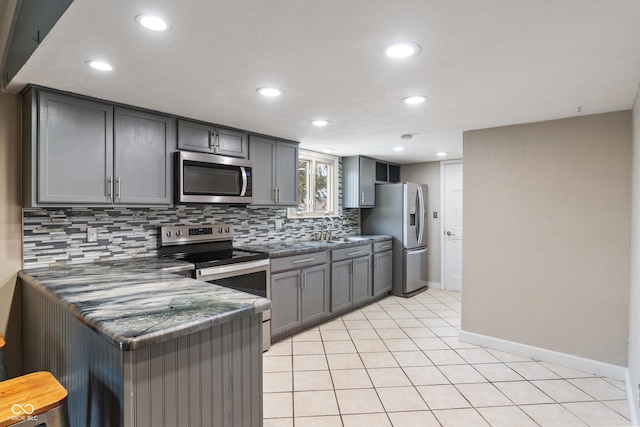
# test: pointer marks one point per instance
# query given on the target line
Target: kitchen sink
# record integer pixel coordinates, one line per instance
(347, 239)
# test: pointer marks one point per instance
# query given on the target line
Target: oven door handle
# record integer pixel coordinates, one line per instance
(225, 270)
(243, 172)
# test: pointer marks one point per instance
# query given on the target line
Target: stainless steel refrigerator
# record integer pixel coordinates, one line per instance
(401, 212)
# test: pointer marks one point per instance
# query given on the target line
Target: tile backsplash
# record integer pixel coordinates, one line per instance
(58, 236)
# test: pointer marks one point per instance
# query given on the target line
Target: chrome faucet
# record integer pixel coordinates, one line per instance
(325, 235)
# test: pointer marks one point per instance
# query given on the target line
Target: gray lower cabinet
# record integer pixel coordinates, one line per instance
(275, 171)
(382, 272)
(351, 282)
(207, 138)
(78, 151)
(299, 295)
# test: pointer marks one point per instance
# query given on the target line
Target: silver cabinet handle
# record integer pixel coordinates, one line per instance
(304, 280)
(355, 267)
(298, 261)
(354, 253)
(118, 188)
(109, 187)
(362, 198)
(450, 233)
(278, 194)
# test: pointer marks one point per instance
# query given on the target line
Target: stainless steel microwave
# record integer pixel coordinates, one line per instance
(207, 178)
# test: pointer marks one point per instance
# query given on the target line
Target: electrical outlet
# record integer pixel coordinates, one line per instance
(92, 234)
(344, 222)
(278, 224)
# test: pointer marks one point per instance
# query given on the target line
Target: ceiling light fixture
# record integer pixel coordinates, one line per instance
(99, 65)
(270, 92)
(398, 148)
(441, 154)
(414, 99)
(401, 50)
(152, 23)
(406, 137)
(319, 123)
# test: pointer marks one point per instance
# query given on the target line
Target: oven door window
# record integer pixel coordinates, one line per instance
(217, 180)
(252, 283)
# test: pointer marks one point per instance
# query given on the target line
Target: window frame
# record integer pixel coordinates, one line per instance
(332, 185)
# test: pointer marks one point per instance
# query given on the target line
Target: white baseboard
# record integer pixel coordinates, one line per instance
(633, 408)
(550, 356)
(435, 285)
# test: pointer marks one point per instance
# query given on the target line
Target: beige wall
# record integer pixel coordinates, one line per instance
(10, 227)
(428, 173)
(547, 213)
(634, 299)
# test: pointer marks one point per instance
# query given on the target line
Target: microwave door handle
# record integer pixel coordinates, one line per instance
(243, 172)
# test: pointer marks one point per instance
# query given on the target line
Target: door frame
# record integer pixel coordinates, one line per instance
(442, 216)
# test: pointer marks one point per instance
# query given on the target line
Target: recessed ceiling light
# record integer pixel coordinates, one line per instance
(100, 65)
(401, 50)
(320, 123)
(414, 99)
(398, 148)
(151, 22)
(270, 92)
(328, 150)
(441, 154)
(406, 137)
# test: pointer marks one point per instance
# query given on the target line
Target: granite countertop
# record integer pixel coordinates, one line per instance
(289, 248)
(136, 303)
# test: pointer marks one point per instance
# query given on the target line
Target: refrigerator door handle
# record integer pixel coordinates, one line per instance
(419, 251)
(421, 212)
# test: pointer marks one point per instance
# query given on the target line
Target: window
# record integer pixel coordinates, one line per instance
(317, 186)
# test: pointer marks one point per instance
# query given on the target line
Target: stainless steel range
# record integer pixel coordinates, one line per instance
(210, 248)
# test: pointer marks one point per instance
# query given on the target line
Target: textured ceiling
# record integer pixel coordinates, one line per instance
(483, 64)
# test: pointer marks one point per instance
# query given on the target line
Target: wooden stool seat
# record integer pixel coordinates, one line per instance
(30, 397)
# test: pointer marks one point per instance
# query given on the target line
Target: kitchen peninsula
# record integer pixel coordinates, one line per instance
(137, 344)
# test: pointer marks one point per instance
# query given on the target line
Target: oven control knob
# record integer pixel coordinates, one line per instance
(168, 234)
(220, 230)
(226, 230)
(178, 233)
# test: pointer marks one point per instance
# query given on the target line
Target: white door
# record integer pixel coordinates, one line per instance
(452, 226)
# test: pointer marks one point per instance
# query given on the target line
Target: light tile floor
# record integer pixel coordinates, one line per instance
(398, 362)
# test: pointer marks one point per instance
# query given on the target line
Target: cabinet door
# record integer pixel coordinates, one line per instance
(143, 145)
(362, 279)
(315, 293)
(382, 272)
(285, 301)
(231, 143)
(287, 173)
(367, 182)
(193, 136)
(262, 152)
(75, 150)
(341, 285)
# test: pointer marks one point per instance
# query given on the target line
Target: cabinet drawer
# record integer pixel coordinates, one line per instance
(383, 246)
(298, 261)
(352, 252)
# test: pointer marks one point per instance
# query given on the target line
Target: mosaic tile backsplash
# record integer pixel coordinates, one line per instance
(58, 236)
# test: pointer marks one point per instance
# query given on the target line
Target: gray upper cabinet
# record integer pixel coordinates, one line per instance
(78, 151)
(143, 145)
(275, 172)
(206, 138)
(359, 177)
(74, 146)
